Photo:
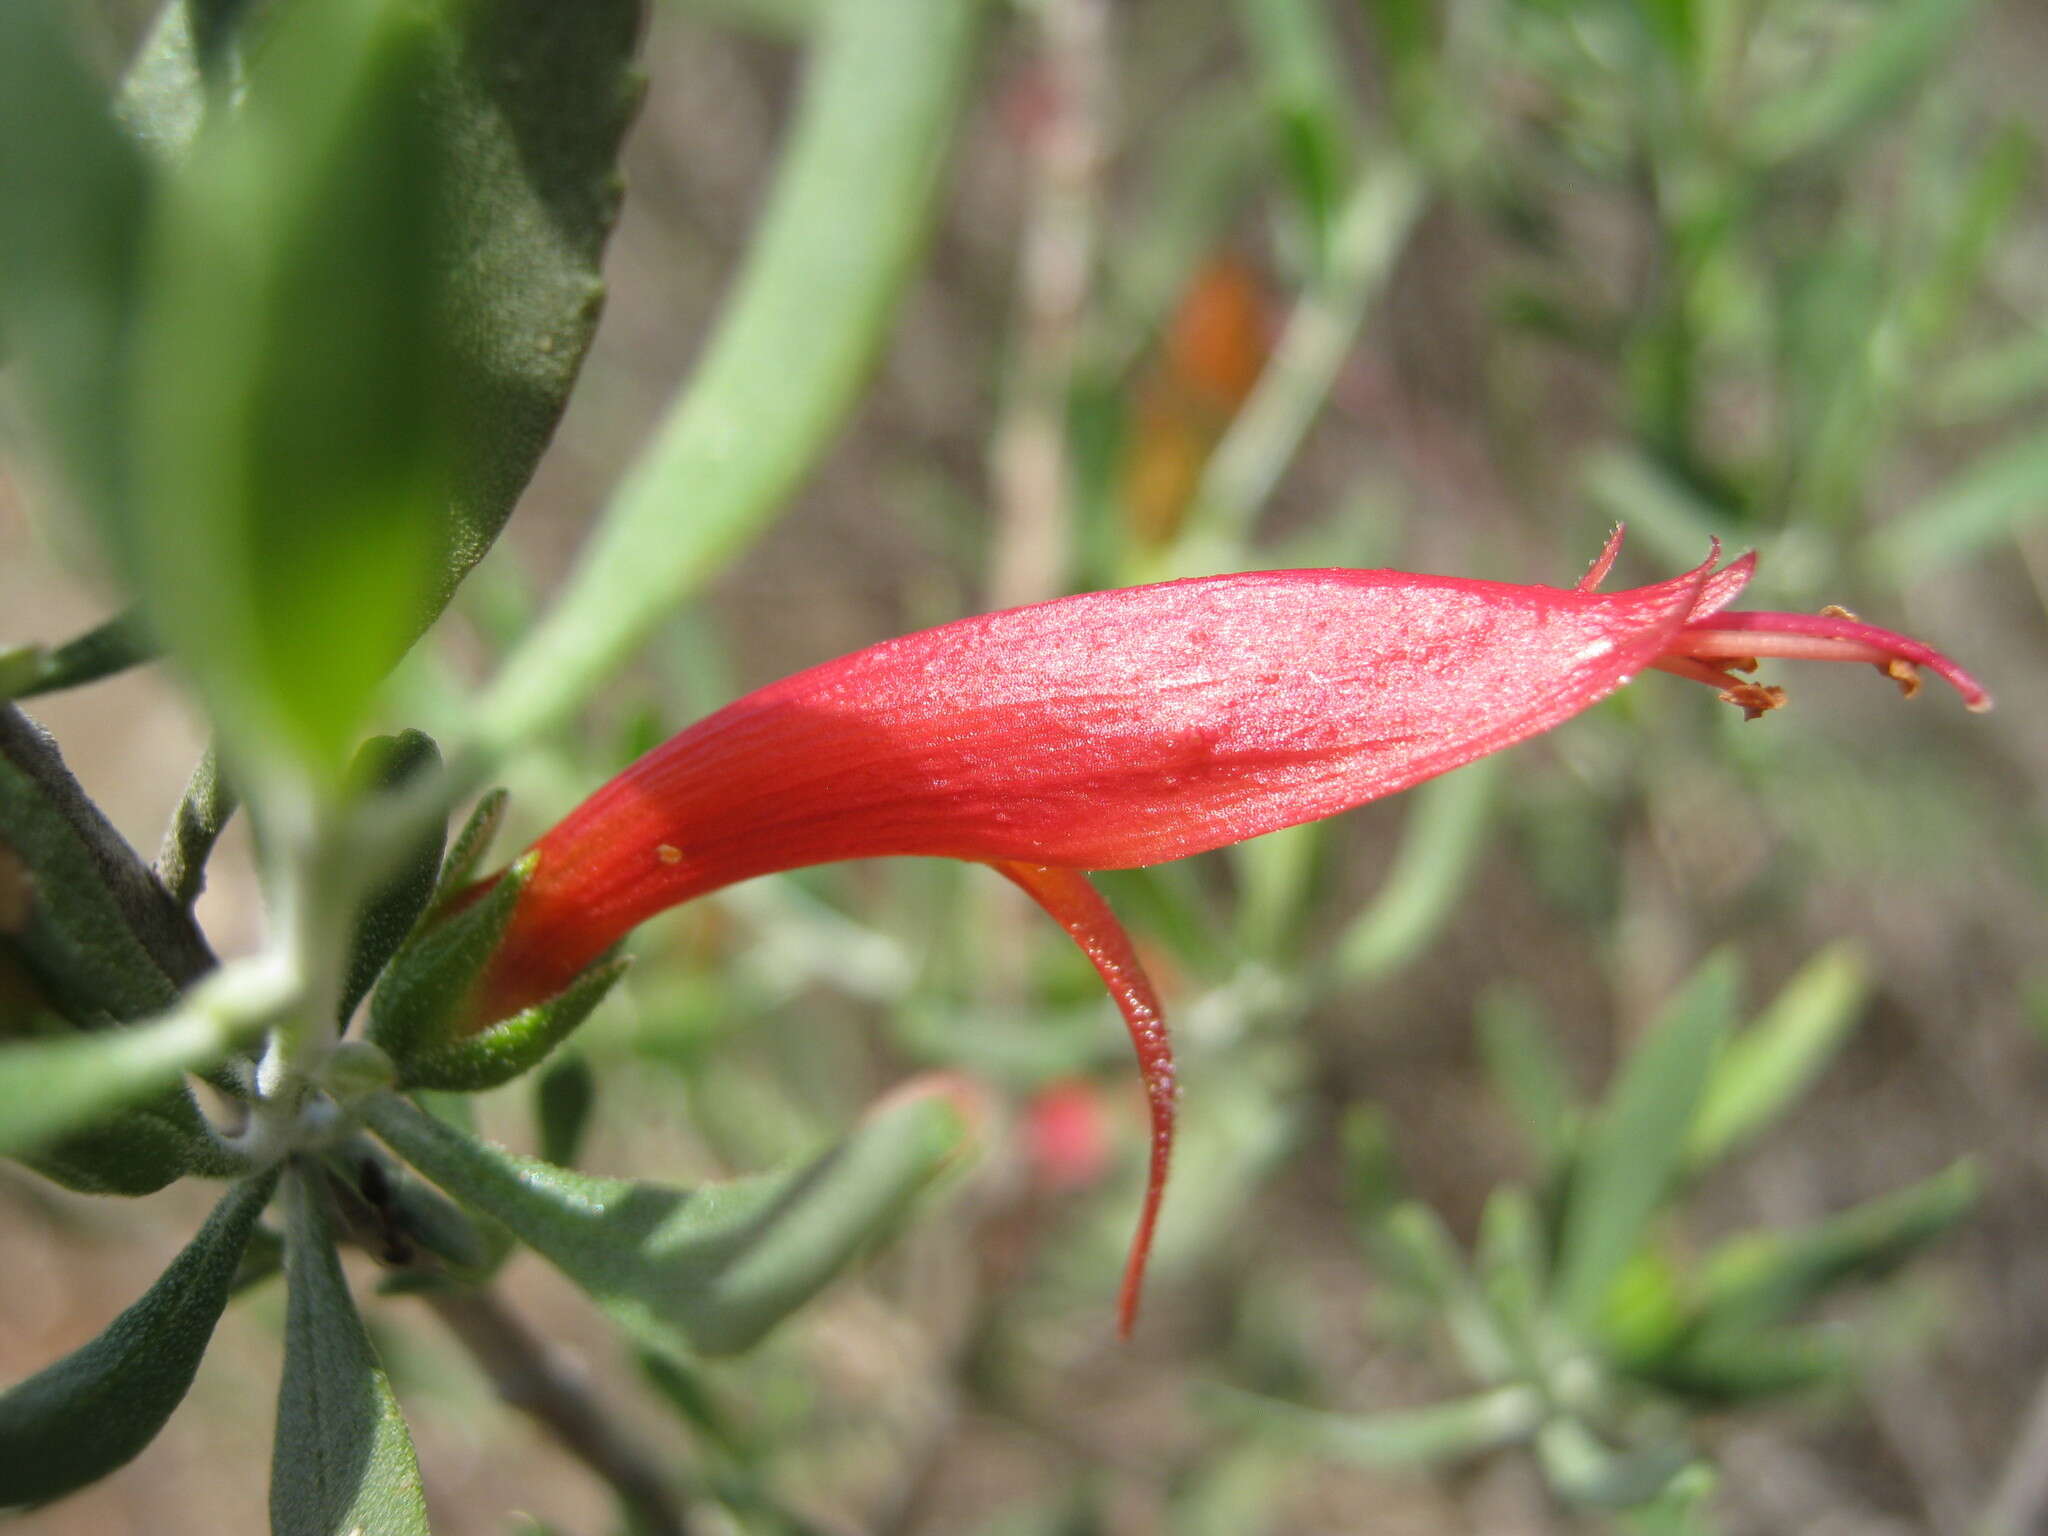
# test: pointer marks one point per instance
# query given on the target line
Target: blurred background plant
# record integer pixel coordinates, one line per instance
(986, 305)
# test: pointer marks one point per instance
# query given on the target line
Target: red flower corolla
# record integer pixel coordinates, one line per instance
(1122, 728)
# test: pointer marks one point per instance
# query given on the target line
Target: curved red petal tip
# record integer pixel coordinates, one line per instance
(1078, 907)
(1604, 561)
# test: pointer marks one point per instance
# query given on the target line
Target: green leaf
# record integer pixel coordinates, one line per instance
(387, 914)
(82, 1417)
(1300, 77)
(343, 1464)
(1997, 495)
(499, 1052)
(420, 1005)
(1446, 832)
(1427, 1257)
(1764, 1278)
(97, 940)
(1770, 1064)
(562, 1101)
(204, 810)
(531, 108)
(55, 1086)
(711, 1269)
(294, 387)
(842, 228)
(1512, 1269)
(1583, 1470)
(180, 63)
(1522, 1062)
(1899, 46)
(1634, 1148)
(73, 192)
(1440, 1432)
(89, 900)
(101, 651)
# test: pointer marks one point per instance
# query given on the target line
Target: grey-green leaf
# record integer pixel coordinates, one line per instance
(710, 1269)
(843, 224)
(1771, 1063)
(96, 1408)
(55, 1086)
(73, 193)
(1438, 1432)
(294, 388)
(1765, 1278)
(1635, 1145)
(343, 1464)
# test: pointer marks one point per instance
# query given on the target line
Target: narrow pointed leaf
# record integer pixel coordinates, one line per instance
(1433, 1266)
(58, 1085)
(1770, 1064)
(710, 1269)
(1897, 47)
(101, 651)
(1583, 1470)
(1445, 835)
(294, 384)
(96, 1408)
(1765, 1278)
(836, 242)
(73, 190)
(1440, 1432)
(1634, 1147)
(1512, 1268)
(343, 1463)
(102, 939)
(1527, 1073)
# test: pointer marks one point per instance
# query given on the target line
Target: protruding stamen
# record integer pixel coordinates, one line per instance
(1828, 636)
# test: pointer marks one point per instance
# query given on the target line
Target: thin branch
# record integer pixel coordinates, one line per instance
(528, 1375)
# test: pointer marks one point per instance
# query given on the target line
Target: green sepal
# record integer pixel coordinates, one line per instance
(471, 844)
(419, 1009)
(499, 1052)
(79, 1419)
(709, 1270)
(343, 1462)
(387, 915)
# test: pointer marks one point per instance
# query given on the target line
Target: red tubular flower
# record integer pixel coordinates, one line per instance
(1116, 729)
